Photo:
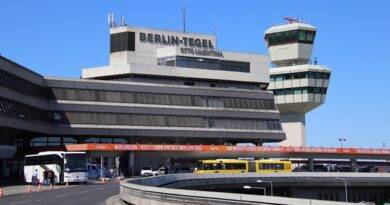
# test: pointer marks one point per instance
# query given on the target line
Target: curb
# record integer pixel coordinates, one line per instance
(115, 200)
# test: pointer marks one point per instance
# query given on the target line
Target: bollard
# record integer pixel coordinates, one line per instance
(67, 184)
(39, 187)
(1, 193)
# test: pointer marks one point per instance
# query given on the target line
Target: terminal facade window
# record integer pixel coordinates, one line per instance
(51, 141)
(124, 41)
(13, 109)
(197, 82)
(169, 121)
(300, 75)
(105, 140)
(287, 37)
(161, 99)
(205, 63)
(21, 85)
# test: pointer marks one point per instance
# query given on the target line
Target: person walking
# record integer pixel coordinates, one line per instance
(49, 177)
(52, 177)
(111, 173)
(34, 179)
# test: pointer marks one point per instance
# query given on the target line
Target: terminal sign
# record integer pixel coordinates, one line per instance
(171, 40)
(201, 52)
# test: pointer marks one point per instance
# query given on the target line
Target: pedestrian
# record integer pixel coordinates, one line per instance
(34, 179)
(48, 178)
(111, 173)
(52, 178)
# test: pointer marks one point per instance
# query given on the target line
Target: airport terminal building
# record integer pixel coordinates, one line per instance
(160, 87)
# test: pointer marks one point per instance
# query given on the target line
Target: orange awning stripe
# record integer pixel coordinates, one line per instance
(222, 148)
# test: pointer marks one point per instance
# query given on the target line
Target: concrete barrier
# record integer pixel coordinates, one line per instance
(115, 200)
(156, 190)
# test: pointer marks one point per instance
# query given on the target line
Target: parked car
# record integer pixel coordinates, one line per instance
(302, 168)
(343, 168)
(146, 171)
(160, 171)
(368, 169)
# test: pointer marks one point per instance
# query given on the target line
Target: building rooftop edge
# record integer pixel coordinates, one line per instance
(298, 68)
(149, 84)
(158, 29)
(286, 27)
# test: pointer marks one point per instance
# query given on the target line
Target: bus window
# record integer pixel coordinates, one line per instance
(279, 166)
(235, 166)
(75, 163)
(223, 166)
(271, 166)
(44, 159)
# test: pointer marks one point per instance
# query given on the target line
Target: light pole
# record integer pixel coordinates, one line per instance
(341, 141)
(260, 188)
(272, 187)
(346, 188)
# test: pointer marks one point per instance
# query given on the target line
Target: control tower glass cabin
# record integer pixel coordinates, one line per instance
(299, 84)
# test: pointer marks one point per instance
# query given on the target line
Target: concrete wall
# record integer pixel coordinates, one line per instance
(294, 126)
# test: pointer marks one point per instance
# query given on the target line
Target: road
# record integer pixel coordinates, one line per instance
(89, 194)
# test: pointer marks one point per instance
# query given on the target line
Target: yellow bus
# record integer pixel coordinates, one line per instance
(233, 166)
(223, 166)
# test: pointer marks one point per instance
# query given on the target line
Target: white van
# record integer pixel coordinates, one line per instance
(93, 171)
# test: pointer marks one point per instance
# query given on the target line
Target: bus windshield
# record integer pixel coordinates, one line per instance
(75, 163)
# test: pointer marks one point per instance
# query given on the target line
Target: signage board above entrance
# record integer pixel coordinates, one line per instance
(224, 149)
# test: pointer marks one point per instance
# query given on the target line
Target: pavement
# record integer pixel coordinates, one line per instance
(91, 193)
(22, 189)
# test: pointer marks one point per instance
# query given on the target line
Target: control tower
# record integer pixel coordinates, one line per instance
(299, 84)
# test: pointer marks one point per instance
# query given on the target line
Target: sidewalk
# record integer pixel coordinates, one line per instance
(22, 189)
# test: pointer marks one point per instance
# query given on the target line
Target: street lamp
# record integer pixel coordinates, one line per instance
(272, 187)
(341, 141)
(260, 188)
(345, 187)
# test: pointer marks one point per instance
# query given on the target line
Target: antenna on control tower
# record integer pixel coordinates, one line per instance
(110, 20)
(214, 32)
(291, 20)
(123, 23)
(183, 13)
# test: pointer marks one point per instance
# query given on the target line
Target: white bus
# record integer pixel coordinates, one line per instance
(67, 166)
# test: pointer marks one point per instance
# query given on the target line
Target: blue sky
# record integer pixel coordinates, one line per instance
(58, 38)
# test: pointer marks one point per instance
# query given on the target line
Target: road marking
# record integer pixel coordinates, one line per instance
(19, 202)
(38, 200)
(85, 191)
(60, 195)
